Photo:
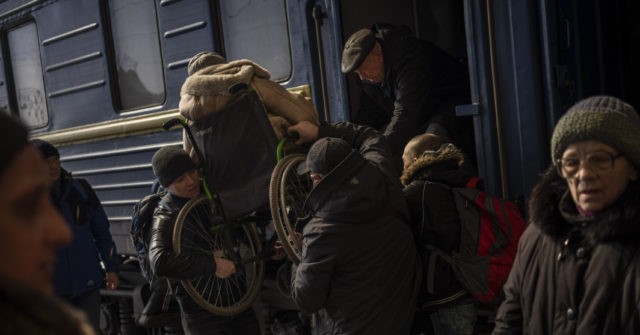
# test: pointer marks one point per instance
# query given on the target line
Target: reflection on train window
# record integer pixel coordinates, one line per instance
(137, 53)
(257, 30)
(27, 75)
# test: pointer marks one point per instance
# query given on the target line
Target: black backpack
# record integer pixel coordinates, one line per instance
(490, 230)
(141, 228)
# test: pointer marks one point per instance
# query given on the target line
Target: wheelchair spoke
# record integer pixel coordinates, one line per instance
(198, 230)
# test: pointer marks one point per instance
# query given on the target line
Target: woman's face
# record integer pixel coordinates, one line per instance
(595, 183)
(31, 229)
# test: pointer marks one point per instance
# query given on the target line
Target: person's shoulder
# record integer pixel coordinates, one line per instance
(83, 183)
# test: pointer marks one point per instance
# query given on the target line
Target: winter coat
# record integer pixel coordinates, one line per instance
(359, 264)
(166, 263)
(207, 91)
(77, 268)
(575, 274)
(25, 311)
(422, 85)
(436, 223)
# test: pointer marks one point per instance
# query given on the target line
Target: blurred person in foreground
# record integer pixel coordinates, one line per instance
(577, 270)
(31, 229)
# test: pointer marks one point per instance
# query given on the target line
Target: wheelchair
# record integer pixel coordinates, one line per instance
(245, 189)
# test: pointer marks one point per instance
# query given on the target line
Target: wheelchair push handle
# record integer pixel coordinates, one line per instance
(174, 122)
(288, 137)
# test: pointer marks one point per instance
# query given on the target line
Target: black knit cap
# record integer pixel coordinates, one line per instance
(601, 118)
(356, 49)
(169, 163)
(13, 138)
(326, 153)
(204, 59)
(46, 149)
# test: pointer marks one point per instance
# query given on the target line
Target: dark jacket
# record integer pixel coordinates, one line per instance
(436, 221)
(77, 267)
(188, 265)
(24, 311)
(166, 263)
(359, 263)
(422, 84)
(575, 275)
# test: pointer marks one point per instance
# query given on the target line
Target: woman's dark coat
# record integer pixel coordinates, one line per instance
(575, 275)
(359, 264)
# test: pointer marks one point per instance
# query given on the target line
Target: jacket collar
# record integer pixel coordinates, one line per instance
(553, 210)
(447, 158)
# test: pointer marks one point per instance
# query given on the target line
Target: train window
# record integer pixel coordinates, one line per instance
(258, 32)
(28, 80)
(136, 44)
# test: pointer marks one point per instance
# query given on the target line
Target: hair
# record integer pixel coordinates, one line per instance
(13, 138)
(421, 143)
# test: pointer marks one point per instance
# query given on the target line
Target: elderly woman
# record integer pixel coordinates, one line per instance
(31, 229)
(578, 266)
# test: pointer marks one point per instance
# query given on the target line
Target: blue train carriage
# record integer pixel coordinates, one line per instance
(98, 78)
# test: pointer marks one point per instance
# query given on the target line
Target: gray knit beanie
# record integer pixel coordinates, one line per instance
(600, 118)
(204, 59)
(169, 163)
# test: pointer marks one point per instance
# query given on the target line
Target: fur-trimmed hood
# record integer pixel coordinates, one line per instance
(216, 79)
(447, 155)
(552, 209)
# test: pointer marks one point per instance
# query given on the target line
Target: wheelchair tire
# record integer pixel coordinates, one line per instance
(197, 225)
(287, 192)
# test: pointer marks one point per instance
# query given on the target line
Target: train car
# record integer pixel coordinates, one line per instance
(97, 78)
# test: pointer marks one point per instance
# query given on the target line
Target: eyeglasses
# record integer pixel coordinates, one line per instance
(598, 162)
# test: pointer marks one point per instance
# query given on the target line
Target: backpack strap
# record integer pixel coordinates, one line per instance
(434, 253)
(167, 296)
(473, 182)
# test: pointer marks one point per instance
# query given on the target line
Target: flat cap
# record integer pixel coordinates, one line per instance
(356, 49)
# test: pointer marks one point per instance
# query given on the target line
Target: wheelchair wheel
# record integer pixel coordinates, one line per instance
(199, 229)
(287, 193)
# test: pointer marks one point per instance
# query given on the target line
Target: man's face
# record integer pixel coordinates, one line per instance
(31, 229)
(187, 185)
(316, 178)
(53, 165)
(372, 68)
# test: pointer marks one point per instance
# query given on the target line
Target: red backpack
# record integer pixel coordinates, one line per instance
(490, 230)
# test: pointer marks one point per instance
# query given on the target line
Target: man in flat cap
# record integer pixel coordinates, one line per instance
(410, 86)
